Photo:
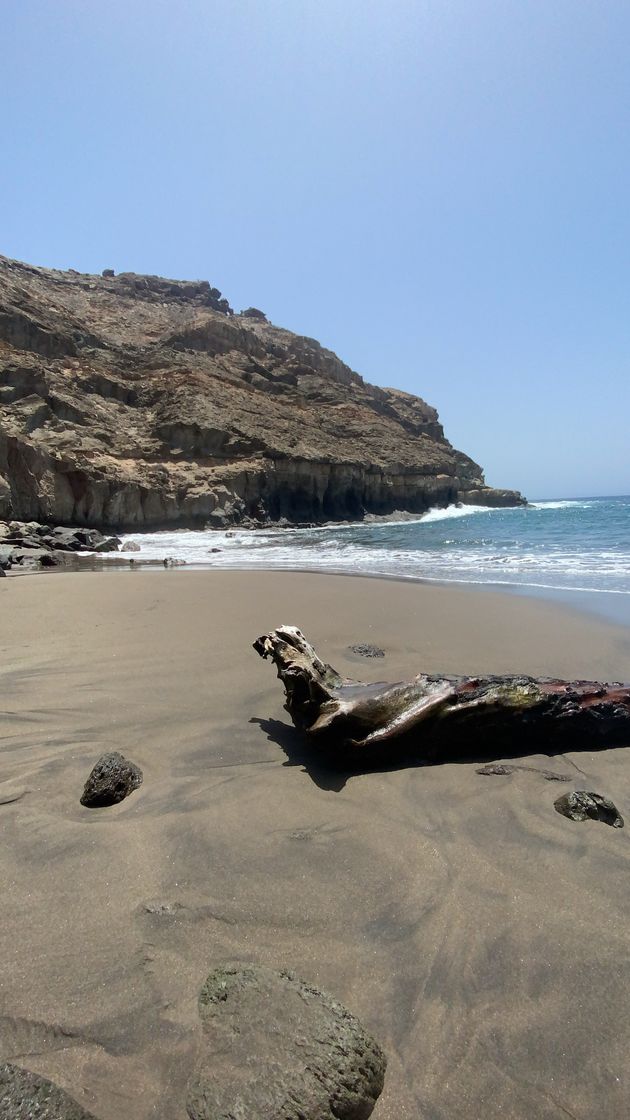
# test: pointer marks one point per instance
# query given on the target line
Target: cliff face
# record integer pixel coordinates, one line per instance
(137, 401)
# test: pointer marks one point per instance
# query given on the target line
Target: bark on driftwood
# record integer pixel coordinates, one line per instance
(434, 714)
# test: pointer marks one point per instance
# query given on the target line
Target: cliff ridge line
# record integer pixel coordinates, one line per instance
(131, 401)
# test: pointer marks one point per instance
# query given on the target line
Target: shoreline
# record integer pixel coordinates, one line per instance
(600, 603)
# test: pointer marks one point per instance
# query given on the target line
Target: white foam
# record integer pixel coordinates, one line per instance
(280, 550)
(454, 511)
(420, 549)
(565, 504)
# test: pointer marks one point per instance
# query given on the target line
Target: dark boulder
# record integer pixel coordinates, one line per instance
(276, 1048)
(73, 540)
(23, 541)
(25, 1095)
(29, 542)
(108, 544)
(112, 779)
(580, 805)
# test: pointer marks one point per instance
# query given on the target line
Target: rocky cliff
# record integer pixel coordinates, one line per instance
(132, 400)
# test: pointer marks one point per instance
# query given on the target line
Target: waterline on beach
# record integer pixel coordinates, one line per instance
(570, 546)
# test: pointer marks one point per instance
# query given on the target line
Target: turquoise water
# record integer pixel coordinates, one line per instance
(579, 545)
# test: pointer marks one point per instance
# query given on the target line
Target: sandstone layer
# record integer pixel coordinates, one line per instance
(129, 401)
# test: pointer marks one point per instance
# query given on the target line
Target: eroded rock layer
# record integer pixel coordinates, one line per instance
(138, 401)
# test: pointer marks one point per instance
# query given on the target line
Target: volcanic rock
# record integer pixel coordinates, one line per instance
(30, 543)
(111, 780)
(276, 1048)
(364, 649)
(137, 401)
(254, 313)
(502, 768)
(580, 805)
(26, 1096)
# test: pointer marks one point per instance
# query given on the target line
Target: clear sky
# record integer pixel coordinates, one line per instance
(439, 190)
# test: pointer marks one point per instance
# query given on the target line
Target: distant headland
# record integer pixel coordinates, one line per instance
(134, 401)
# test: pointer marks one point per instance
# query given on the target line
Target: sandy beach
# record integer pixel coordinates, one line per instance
(482, 937)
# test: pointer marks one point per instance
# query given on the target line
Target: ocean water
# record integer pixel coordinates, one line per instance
(581, 545)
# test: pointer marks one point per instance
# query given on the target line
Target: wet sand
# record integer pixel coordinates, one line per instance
(482, 937)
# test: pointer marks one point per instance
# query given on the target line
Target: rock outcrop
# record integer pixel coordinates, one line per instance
(28, 544)
(136, 401)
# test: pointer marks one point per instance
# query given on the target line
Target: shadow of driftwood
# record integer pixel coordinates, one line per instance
(330, 770)
(322, 761)
(300, 752)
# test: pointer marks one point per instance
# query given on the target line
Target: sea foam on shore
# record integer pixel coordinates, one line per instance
(581, 545)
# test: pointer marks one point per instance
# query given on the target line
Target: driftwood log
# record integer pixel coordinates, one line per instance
(436, 715)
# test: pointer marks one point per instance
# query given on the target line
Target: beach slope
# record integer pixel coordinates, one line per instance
(478, 934)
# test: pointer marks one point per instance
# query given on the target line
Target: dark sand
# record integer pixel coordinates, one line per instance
(481, 936)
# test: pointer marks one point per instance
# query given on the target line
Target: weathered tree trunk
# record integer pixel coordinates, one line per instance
(435, 714)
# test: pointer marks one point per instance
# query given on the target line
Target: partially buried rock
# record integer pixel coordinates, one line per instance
(112, 779)
(579, 805)
(366, 650)
(495, 768)
(504, 768)
(25, 1095)
(162, 908)
(276, 1048)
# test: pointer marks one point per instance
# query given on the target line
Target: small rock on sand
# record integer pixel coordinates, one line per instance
(364, 649)
(162, 907)
(504, 768)
(274, 1046)
(111, 780)
(580, 805)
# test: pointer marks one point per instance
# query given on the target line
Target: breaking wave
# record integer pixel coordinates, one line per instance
(568, 545)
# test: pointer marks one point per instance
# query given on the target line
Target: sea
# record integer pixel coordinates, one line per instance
(577, 549)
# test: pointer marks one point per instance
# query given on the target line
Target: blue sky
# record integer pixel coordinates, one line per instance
(439, 191)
